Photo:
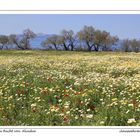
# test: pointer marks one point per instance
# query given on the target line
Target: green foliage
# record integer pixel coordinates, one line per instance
(3, 41)
(96, 39)
(22, 43)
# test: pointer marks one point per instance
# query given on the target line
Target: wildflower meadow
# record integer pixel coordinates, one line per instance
(60, 88)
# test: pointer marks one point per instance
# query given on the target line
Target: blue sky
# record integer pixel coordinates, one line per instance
(124, 26)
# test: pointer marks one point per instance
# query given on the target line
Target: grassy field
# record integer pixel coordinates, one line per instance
(50, 88)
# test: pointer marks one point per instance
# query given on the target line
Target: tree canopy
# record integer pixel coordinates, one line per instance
(4, 41)
(22, 42)
(88, 38)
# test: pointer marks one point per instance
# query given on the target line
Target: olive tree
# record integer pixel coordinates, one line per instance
(96, 39)
(68, 39)
(100, 39)
(109, 42)
(22, 42)
(4, 41)
(52, 42)
(126, 45)
(86, 34)
(135, 45)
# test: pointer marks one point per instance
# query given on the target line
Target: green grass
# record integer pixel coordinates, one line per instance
(62, 88)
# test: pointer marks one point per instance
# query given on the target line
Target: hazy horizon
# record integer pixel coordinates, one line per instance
(122, 25)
